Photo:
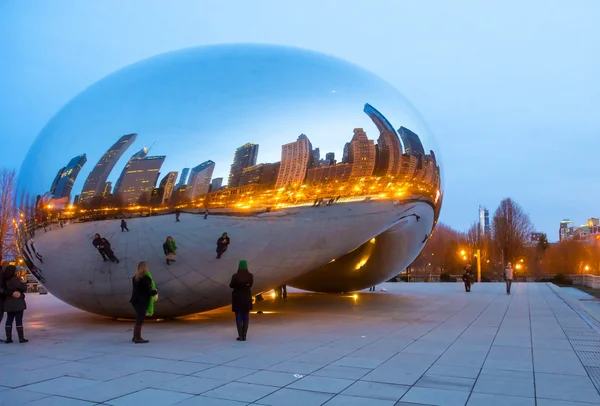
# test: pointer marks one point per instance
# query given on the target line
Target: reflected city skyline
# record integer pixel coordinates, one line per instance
(394, 164)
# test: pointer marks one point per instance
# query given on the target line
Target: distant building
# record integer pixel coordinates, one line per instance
(484, 221)
(167, 184)
(183, 178)
(200, 178)
(587, 233)
(107, 190)
(244, 157)
(96, 180)
(68, 176)
(76, 199)
(56, 179)
(216, 184)
(346, 152)
(261, 174)
(389, 149)
(139, 179)
(408, 167)
(315, 158)
(295, 161)
(361, 154)
(135, 157)
(328, 174)
(412, 142)
(330, 156)
(566, 230)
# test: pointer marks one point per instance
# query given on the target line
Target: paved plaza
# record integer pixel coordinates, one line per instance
(416, 344)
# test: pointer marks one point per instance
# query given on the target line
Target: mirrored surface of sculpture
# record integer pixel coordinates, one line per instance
(320, 173)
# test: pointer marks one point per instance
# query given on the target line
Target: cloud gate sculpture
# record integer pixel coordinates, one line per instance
(323, 176)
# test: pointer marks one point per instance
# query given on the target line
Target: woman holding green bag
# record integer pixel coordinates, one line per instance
(143, 296)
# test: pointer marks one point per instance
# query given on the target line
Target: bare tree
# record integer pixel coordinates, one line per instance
(8, 213)
(512, 228)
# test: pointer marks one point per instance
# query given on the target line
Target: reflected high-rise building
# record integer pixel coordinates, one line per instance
(139, 179)
(167, 184)
(183, 178)
(327, 174)
(135, 157)
(346, 152)
(216, 184)
(412, 144)
(95, 182)
(68, 177)
(361, 154)
(56, 179)
(263, 174)
(389, 149)
(315, 160)
(244, 157)
(200, 178)
(295, 161)
(330, 156)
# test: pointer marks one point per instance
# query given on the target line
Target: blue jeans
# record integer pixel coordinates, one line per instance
(242, 317)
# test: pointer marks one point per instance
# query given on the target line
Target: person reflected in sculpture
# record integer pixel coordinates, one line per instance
(104, 248)
(222, 245)
(170, 249)
(241, 298)
(508, 277)
(177, 214)
(467, 277)
(124, 225)
(143, 296)
(14, 306)
(206, 214)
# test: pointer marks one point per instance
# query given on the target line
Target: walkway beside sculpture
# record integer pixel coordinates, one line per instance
(429, 343)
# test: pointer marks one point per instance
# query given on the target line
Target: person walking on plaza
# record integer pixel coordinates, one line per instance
(205, 214)
(14, 306)
(143, 296)
(467, 278)
(508, 277)
(177, 214)
(241, 298)
(104, 248)
(170, 249)
(124, 225)
(372, 289)
(222, 245)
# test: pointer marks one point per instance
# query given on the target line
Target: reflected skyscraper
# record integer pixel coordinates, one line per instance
(139, 179)
(295, 161)
(244, 157)
(56, 179)
(389, 149)
(68, 177)
(216, 184)
(412, 145)
(95, 183)
(330, 156)
(200, 178)
(107, 189)
(183, 178)
(137, 156)
(167, 184)
(263, 174)
(361, 154)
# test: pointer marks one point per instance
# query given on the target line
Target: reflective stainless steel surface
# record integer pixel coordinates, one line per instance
(155, 138)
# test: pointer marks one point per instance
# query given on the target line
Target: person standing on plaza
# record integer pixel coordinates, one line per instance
(14, 306)
(508, 277)
(467, 278)
(177, 214)
(170, 249)
(205, 214)
(222, 245)
(124, 225)
(143, 296)
(241, 298)
(5, 292)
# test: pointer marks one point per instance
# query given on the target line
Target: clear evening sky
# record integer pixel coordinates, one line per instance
(510, 89)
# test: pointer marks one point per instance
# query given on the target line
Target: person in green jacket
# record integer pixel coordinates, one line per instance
(170, 249)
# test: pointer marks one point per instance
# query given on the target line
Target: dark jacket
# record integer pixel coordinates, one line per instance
(13, 304)
(241, 297)
(102, 244)
(142, 291)
(123, 224)
(222, 243)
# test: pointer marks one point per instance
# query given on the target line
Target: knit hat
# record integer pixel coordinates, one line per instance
(243, 264)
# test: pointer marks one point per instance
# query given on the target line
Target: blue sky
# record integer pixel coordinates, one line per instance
(509, 88)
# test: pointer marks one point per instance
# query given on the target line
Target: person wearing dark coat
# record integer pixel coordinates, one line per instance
(124, 225)
(5, 292)
(241, 298)
(104, 248)
(141, 295)
(14, 306)
(177, 214)
(205, 214)
(467, 278)
(222, 244)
